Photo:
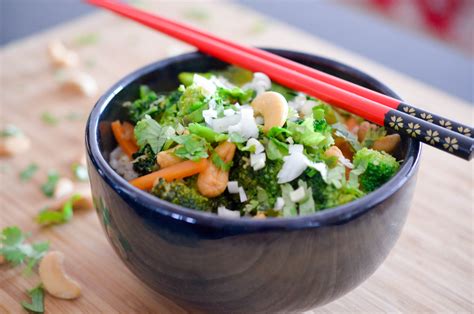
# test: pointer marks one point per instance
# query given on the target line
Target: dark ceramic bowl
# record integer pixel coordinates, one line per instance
(214, 264)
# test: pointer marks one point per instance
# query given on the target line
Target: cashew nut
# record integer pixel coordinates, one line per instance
(334, 151)
(64, 187)
(364, 127)
(14, 145)
(273, 107)
(61, 56)
(167, 158)
(213, 181)
(54, 278)
(388, 143)
(80, 82)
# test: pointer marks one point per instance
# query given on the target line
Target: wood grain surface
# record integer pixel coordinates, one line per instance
(430, 269)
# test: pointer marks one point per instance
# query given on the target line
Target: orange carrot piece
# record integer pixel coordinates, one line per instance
(177, 171)
(125, 138)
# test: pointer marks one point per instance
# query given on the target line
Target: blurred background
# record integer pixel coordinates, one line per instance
(430, 40)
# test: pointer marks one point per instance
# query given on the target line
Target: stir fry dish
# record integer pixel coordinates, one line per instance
(232, 142)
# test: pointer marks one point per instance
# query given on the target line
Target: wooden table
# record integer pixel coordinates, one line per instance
(430, 269)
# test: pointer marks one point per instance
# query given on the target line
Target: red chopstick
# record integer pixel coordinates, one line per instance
(301, 78)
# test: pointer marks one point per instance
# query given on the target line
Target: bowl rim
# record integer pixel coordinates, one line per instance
(332, 216)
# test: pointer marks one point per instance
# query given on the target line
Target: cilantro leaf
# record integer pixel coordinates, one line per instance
(150, 132)
(28, 172)
(16, 252)
(49, 186)
(193, 147)
(48, 118)
(80, 171)
(37, 300)
(221, 164)
(51, 217)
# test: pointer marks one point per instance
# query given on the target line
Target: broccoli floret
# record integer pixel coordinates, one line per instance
(327, 196)
(144, 161)
(375, 167)
(184, 193)
(251, 180)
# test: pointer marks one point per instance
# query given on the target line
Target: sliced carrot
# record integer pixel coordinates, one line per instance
(178, 171)
(125, 138)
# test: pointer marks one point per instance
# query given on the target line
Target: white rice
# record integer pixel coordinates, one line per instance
(122, 164)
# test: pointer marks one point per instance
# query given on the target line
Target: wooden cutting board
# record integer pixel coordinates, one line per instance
(430, 269)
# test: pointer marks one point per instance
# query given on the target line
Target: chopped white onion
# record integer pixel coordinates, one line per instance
(280, 202)
(260, 83)
(297, 195)
(208, 115)
(222, 124)
(297, 102)
(254, 142)
(296, 163)
(224, 212)
(307, 108)
(257, 161)
(229, 112)
(259, 120)
(233, 187)
(208, 87)
(247, 127)
(290, 140)
(242, 195)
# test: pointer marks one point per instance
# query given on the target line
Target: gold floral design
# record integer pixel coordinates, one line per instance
(446, 123)
(410, 111)
(396, 122)
(464, 131)
(451, 144)
(413, 129)
(427, 117)
(432, 137)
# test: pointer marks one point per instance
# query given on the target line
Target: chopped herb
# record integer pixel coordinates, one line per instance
(80, 172)
(29, 172)
(37, 300)
(48, 118)
(10, 130)
(289, 209)
(207, 133)
(16, 252)
(150, 132)
(49, 186)
(87, 39)
(193, 147)
(196, 14)
(221, 164)
(53, 217)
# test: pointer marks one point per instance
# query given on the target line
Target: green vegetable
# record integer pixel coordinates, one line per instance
(190, 101)
(28, 172)
(221, 164)
(48, 118)
(187, 78)
(149, 132)
(304, 133)
(144, 161)
(87, 39)
(372, 135)
(250, 180)
(37, 300)
(178, 192)
(342, 131)
(49, 186)
(147, 104)
(289, 94)
(375, 168)
(193, 147)
(327, 195)
(237, 76)
(16, 251)
(290, 208)
(10, 130)
(207, 133)
(307, 205)
(53, 217)
(234, 95)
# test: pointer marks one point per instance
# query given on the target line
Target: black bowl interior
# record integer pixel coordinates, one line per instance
(162, 76)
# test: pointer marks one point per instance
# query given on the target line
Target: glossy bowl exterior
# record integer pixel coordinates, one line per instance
(209, 263)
